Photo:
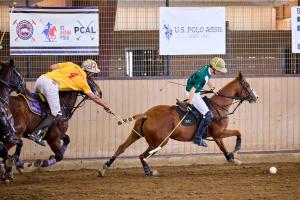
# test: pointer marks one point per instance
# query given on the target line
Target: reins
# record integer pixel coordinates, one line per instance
(238, 99)
(70, 111)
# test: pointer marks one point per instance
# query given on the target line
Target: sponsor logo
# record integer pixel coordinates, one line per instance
(64, 33)
(168, 31)
(50, 32)
(85, 30)
(24, 30)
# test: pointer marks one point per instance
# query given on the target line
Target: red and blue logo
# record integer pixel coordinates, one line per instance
(49, 32)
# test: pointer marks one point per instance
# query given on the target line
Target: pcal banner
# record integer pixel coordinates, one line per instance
(54, 31)
(192, 31)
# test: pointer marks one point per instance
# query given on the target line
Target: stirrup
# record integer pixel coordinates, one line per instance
(36, 139)
(200, 143)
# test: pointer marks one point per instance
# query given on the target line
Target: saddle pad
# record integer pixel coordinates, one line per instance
(190, 119)
(33, 103)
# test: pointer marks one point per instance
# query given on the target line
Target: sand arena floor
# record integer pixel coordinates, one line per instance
(247, 182)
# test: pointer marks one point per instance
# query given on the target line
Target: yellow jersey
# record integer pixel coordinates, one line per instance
(70, 77)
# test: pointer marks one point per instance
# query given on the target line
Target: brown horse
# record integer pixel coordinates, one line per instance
(26, 121)
(10, 80)
(162, 122)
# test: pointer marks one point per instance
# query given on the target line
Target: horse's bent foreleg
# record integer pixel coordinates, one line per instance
(131, 139)
(229, 133)
(55, 146)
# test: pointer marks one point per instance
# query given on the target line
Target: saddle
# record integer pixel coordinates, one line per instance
(34, 101)
(193, 117)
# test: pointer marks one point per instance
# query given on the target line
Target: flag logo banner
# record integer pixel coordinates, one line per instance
(54, 31)
(192, 31)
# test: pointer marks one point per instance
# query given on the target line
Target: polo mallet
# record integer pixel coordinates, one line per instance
(159, 146)
(119, 118)
(2, 37)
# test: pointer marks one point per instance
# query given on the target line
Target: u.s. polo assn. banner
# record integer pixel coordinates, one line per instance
(192, 31)
(54, 31)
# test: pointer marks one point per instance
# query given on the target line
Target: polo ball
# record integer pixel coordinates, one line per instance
(273, 170)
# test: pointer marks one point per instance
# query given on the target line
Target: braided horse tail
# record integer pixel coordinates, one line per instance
(134, 117)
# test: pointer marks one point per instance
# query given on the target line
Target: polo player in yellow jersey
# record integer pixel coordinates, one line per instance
(65, 76)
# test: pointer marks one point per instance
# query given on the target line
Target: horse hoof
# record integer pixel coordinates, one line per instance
(20, 169)
(237, 162)
(6, 181)
(37, 163)
(101, 172)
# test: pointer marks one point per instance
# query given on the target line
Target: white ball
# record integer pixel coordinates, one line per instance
(273, 170)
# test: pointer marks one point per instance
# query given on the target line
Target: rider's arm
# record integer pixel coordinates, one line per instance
(54, 66)
(192, 92)
(99, 101)
(210, 85)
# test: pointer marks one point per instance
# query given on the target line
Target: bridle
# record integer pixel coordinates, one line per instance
(238, 100)
(16, 85)
(70, 111)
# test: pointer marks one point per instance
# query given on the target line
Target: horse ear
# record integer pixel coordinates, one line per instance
(11, 63)
(240, 77)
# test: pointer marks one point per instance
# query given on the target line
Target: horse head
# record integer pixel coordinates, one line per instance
(245, 92)
(10, 77)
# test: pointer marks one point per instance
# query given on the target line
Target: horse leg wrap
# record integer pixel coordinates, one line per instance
(110, 161)
(147, 170)
(63, 149)
(229, 155)
(18, 162)
(238, 144)
(47, 163)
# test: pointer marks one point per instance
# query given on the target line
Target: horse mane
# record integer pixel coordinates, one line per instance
(238, 78)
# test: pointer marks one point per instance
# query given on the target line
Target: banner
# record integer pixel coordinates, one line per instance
(192, 31)
(54, 31)
(295, 29)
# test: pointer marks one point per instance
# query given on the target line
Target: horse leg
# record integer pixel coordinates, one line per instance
(66, 140)
(18, 162)
(55, 147)
(228, 155)
(146, 167)
(229, 133)
(4, 156)
(131, 139)
(6, 173)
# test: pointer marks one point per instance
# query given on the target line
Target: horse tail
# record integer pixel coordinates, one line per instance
(134, 117)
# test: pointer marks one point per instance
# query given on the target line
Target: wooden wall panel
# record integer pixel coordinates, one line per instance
(272, 124)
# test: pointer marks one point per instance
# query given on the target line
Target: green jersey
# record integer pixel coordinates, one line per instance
(198, 79)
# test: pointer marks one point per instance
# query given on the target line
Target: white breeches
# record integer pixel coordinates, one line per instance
(50, 89)
(198, 102)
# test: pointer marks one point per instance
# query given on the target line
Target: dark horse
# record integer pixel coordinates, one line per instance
(10, 80)
(26, 121)
(162, 122)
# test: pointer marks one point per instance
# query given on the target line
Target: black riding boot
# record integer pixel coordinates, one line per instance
(205, 122)
(37, 134)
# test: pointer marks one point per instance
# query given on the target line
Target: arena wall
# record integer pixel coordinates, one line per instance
(272, 124)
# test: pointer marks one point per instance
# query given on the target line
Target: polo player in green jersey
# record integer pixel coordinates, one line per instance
(195, 83)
